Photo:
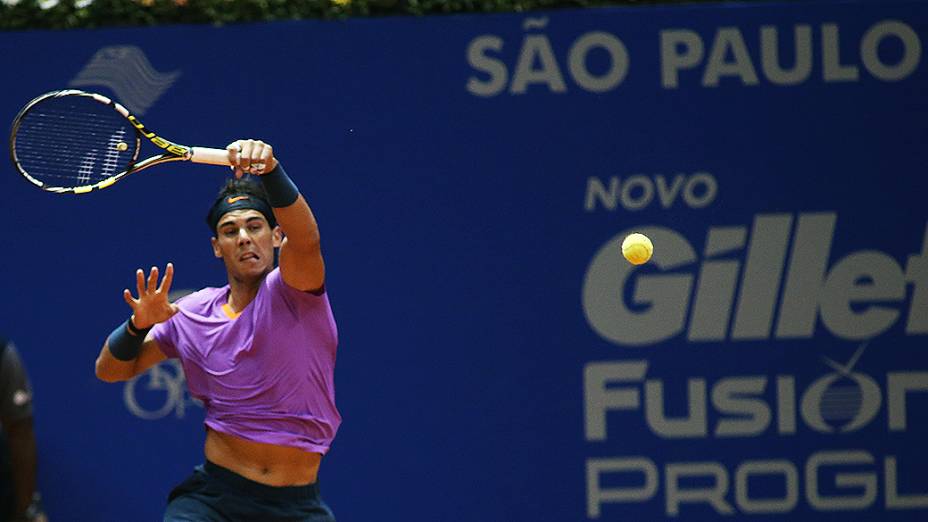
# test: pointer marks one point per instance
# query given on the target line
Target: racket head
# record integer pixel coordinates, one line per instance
(71, 141)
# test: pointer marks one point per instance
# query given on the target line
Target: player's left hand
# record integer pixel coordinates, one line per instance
(252, 157)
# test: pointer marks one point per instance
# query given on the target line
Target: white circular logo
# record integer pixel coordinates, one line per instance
(158, 392)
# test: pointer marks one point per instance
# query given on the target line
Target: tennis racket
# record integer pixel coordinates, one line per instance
(74, 142)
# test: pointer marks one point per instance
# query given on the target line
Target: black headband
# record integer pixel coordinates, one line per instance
(239, 202)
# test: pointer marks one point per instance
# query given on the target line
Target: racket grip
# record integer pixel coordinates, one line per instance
(210, 156)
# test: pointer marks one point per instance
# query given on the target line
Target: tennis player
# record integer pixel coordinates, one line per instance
(259, 352)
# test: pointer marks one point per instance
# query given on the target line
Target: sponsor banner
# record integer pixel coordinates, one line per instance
(474, 178)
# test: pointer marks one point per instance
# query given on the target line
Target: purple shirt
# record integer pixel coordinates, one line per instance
(265, 376)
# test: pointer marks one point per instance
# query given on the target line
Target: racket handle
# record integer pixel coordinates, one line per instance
(210, 156)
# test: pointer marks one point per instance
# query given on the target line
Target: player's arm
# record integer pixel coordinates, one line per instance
(301, 264)
(130, 349)
(111, 369)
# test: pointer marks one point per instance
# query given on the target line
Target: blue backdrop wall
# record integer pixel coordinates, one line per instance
(473, 178)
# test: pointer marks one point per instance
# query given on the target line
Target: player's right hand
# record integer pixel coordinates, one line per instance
(252, 157)
(152, 305)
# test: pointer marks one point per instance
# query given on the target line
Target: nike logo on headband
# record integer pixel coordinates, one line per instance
(236, 198)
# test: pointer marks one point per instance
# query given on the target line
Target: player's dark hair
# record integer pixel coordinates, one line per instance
(236, 186)
(233, 190)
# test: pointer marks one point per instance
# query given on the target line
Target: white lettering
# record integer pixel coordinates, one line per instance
(666, 194)
(537, 49)
(894, 499)
(600, 398)
(770, 61)
(834, 71)
(618, 62)
(596, 191)
(741, 397)
(861, 486)
(697, 191)
(596, 495)
(730, 55)
(708, 483)
(709, 189)
(664, 296)
(673, 58)
(870, 281)
(743, 406)
(912, 51)
(478, 59)
(729, 40)
(755, 468)
(899, 385)
(714, 495)
(646, 192)
(694, 424)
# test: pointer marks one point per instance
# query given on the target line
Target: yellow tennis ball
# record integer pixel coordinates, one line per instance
(122, 146)
(637, 248)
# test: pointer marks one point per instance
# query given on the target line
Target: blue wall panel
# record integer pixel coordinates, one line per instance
(473, 177)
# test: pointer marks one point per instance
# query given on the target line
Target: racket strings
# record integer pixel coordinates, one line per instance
(27, 142)
(73, 141)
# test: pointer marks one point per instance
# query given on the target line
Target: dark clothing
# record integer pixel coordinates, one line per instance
(15, 406)
(6, 481)
(215, 494)
(15, 392)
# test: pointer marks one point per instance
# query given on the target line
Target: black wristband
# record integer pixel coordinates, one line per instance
(135, 331)
(125, 342)
(281, 191)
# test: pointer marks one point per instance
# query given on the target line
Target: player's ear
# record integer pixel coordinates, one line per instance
(278, 236)
(215, 243)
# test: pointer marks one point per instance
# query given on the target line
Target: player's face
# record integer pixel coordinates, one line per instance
(246, 242)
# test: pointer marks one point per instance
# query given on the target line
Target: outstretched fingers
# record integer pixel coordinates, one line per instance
(146, 286)
(127, 295)
(152, 305)
(152, 280)
(165, 286)
(140, 282)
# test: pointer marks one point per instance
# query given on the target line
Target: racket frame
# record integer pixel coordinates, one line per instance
(172, 151)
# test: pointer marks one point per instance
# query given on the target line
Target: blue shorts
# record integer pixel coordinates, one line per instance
(215, 494)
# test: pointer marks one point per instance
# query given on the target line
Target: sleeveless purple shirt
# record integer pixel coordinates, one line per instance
(265, 376)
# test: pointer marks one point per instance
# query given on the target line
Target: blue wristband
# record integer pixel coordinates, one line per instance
(124, 345)
(281, 191)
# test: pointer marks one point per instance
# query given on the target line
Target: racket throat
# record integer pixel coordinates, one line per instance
(181, 151)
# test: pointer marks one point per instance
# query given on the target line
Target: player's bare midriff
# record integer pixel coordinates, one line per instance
(265, 463)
